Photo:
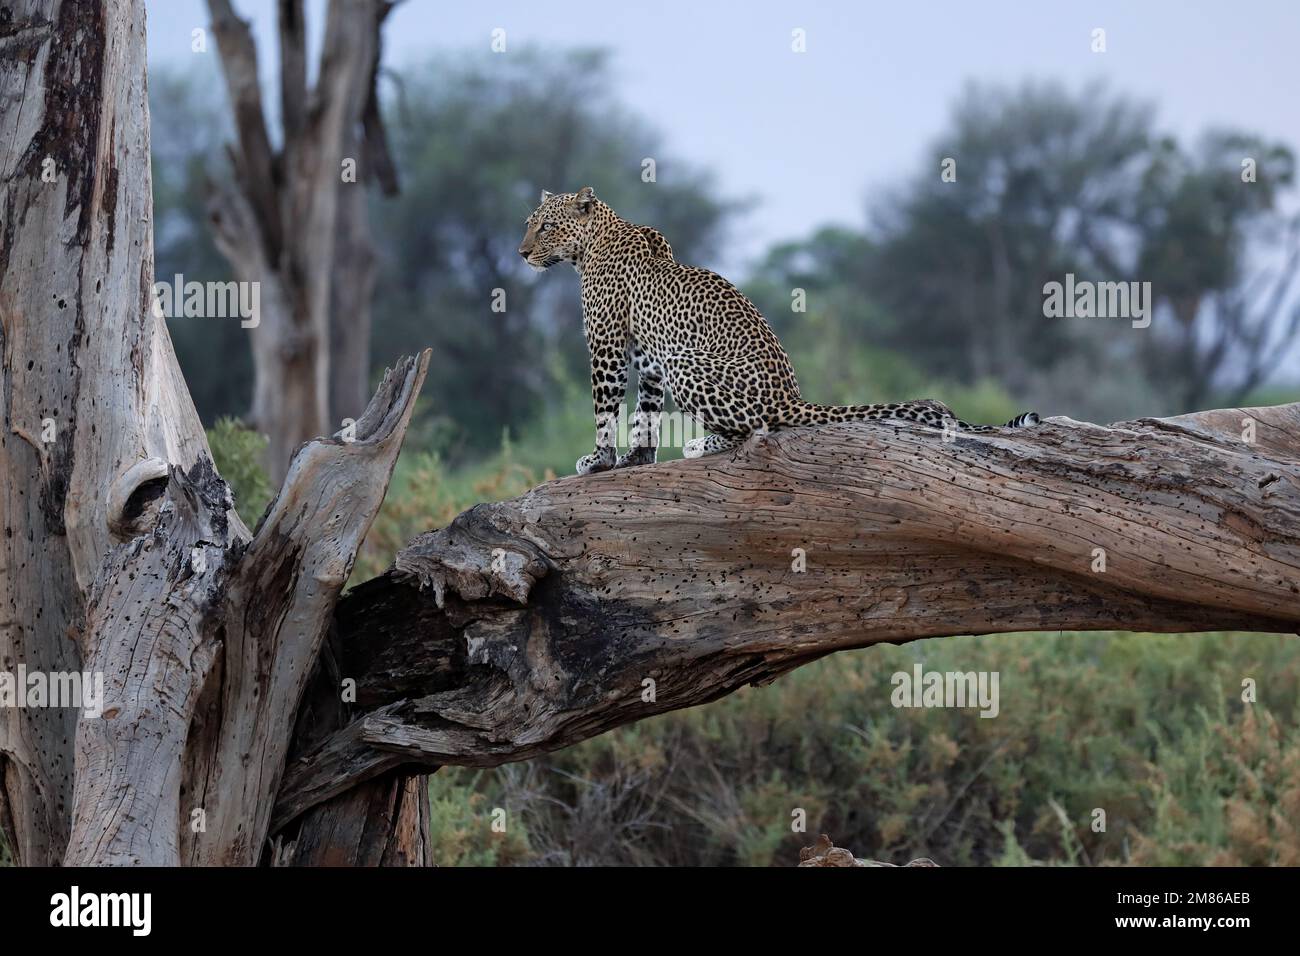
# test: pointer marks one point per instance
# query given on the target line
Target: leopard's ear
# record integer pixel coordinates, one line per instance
(585, 199)
(546, 194)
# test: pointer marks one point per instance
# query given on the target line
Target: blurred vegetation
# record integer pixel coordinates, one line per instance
(236, 451)
(950, 274)
(1149, 728)
(938, 294)
(189, 125)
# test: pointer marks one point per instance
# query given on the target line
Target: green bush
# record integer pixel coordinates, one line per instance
(1149, 728)
(237, 453)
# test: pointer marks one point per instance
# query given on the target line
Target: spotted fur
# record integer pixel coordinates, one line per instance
(684, 328)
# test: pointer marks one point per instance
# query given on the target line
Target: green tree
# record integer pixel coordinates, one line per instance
(1200, 216)
(948, 275)
(960, 265)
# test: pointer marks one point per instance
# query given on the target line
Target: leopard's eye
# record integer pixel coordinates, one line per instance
(547, 225)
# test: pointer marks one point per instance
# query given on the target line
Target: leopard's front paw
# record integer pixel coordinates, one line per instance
(602, 459)
(644, 455)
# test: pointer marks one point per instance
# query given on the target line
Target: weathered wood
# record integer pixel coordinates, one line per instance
(91, 400)
(352, 288)
(355, 266)
(151, 633)
(203, 633)
(382, 822)
(535, 623)
(194, 595)
(277, 612)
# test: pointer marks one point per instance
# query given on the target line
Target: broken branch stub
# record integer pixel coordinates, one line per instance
(277, 610)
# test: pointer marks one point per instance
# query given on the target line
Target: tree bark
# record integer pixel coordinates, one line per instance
(204, 634)
(354, 253)
(352, 287)
(208, 639)
(93, 404)
(532, 624)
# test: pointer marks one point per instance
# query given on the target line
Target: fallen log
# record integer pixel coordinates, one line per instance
(531, 624)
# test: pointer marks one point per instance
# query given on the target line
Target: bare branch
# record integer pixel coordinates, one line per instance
(293, 70)
(277, 610)
(379, 159)
(255, 163)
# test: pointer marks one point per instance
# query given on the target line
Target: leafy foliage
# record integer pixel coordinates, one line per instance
(1147, 727)
(236, 451)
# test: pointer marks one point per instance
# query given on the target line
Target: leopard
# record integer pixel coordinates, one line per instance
(686, 331)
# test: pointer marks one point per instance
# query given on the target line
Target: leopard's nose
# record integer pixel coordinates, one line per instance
(523, 252)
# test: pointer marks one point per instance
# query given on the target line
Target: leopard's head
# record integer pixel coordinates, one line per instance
(559, 228)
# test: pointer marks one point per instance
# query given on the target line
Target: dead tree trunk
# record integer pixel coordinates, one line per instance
(277, 223)
(121, 555)
(532, 624)
(84, 444)
(353, 274)
(208, 640)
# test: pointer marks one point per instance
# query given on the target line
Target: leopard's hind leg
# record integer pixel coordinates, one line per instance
(708, 445)
(730, 398)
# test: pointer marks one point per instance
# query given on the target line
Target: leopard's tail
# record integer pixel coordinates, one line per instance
(1027, 420)
(925, 411)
